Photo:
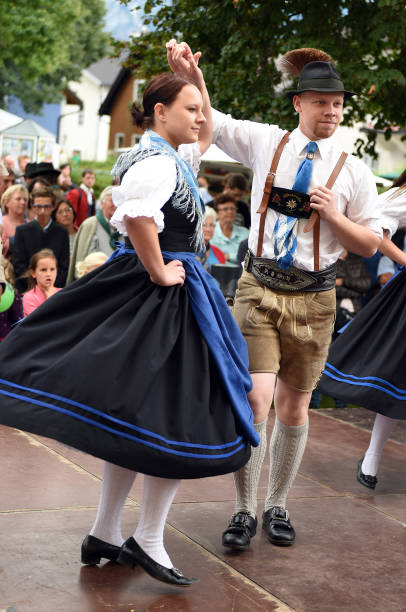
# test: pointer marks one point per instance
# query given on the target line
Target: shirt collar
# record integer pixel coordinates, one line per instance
(299, 140)
(85, 188)
(44, 229)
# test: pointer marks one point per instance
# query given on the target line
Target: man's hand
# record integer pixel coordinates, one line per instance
(182, 61)
(322, 200)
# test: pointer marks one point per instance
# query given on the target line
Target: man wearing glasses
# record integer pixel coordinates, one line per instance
(41, 233)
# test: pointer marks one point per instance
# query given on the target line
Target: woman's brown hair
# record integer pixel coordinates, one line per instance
(163, 88)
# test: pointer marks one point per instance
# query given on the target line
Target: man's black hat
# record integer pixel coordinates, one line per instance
(35, 169)
(319, 76)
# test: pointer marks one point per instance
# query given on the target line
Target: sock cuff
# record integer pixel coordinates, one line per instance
(259, 427)
(293, 431)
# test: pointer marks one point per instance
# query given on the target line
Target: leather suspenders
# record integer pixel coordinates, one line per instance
(263, 209)
(314, 221)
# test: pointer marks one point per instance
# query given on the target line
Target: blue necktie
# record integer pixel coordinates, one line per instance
(285, 230)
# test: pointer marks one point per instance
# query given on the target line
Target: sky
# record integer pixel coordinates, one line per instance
(120, 20)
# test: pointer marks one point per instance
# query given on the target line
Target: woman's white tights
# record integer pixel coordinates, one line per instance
(158, 496)
(381, 431)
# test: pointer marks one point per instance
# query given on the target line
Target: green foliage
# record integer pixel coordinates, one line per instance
(44, 44)
(240, 39)
(101, 170)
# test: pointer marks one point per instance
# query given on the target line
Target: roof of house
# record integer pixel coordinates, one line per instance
(28, 127)
(71, 97)
(106, 69)
(8, 119)
(106, 106)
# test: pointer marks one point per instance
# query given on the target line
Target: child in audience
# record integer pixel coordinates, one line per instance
(41, 276)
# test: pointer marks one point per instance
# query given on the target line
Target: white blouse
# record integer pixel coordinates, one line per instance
(393, 209)
(148, 185)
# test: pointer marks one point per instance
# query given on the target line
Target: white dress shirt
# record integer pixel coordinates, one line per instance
(254, 144)
(89, 195)
(392, 205)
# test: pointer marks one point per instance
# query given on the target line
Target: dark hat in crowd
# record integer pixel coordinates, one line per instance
(319, 76)
(35, 169)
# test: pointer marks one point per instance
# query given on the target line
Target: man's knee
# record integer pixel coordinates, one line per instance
(291, 405)
(261, 396)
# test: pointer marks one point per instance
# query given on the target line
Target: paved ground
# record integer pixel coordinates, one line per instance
(349, 554)
(363, 418)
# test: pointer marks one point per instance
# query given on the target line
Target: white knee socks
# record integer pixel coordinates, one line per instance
(247, 478)
(286, 450)
(381, 431)
(158, 496)
(117, 482)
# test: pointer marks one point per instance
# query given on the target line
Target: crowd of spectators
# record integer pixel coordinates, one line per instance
(49, 226)
(45, 215)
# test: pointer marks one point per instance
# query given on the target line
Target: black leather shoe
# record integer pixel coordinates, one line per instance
(240, 530)
(131, 555)
(277, 526)
(94, 549)
(365, 479)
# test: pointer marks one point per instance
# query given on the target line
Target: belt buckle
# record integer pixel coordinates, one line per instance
(272, 276)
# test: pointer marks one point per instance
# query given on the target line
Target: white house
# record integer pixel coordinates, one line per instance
(80, 127)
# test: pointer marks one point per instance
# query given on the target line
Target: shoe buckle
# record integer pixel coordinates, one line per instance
(280, 513)
(240, 518)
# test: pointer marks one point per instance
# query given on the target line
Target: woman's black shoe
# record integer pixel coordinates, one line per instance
(365, 479)
(131, 555)
(94, 549)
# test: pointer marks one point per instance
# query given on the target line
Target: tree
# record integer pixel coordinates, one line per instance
(44, 44)
(240, 39)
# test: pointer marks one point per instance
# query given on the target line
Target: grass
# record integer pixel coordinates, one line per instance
(101, 169)
(328, 402)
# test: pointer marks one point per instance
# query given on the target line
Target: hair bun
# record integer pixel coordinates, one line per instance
(138, 115)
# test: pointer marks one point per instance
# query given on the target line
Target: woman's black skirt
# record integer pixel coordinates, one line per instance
(367, 363)
(116, 366)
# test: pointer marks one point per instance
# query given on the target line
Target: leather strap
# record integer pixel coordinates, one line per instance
(314, 221)
(263, 209)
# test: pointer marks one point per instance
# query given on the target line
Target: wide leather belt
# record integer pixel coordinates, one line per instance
(268, 273)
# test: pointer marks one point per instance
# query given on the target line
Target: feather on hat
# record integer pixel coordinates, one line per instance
(315, 69)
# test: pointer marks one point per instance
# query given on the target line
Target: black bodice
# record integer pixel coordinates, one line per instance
(177, 234)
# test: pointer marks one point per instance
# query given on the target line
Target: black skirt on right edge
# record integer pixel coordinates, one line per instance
(366, 365)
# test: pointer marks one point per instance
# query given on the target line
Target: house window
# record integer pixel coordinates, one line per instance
(81, 117)
(138, 89)
(135, 138)
(119, 140)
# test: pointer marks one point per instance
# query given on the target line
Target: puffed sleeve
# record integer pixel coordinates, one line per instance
(191, 153)
(145, 188)
(393, 209)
